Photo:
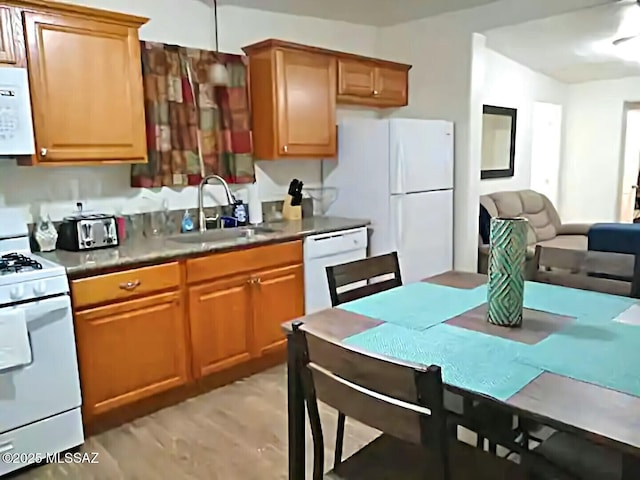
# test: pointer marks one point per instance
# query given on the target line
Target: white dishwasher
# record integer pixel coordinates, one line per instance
(325, 250)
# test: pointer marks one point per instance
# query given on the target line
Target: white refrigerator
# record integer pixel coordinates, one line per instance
(399, 174)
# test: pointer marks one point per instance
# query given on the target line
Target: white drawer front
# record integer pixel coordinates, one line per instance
(52, 435)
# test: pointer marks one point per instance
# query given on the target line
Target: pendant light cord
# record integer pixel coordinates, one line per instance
(215, 19)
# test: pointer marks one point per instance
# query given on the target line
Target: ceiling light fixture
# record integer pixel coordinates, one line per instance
(218, 73)
(626, 38)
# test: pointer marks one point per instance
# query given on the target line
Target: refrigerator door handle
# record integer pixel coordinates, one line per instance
(400, 168)
(398, 224)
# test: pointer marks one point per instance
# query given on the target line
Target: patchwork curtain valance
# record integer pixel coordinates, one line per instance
(194, 128)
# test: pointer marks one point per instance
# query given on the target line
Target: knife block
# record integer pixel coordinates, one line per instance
(289, 212)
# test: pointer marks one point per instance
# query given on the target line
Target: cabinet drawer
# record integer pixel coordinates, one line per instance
(123, 285)
(257, 258)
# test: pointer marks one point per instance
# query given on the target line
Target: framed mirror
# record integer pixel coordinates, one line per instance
(498, 141)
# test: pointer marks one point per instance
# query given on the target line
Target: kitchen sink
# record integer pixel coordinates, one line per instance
(220, 235)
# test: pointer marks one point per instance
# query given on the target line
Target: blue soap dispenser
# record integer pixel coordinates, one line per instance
(187, 222)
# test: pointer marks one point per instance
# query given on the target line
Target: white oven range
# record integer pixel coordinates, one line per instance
(39, 386)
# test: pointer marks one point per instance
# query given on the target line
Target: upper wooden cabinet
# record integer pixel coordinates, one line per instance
(355, 78)
(85, 79)
(293, 100)
(86, 89)
(295, 88)
(7, 39)
(372, 83)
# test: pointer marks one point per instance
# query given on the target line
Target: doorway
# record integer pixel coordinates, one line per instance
(546, 149)
(629, 210)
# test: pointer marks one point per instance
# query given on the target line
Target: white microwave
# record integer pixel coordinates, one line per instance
(16, 123)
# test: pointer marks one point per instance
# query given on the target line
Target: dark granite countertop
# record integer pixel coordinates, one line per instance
(159, 249)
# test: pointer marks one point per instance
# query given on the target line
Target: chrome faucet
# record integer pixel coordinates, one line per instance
(205, 181)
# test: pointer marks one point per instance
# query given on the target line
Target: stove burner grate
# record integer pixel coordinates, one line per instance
(16, 262)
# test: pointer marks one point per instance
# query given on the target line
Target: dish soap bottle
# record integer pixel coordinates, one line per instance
(187, 222)
(240, 212)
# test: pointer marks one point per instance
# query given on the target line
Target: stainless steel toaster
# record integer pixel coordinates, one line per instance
(88, 232)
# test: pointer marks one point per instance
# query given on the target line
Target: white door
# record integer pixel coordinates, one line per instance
(421, 153)
(423, 232)
(631, 166)
(546, 148)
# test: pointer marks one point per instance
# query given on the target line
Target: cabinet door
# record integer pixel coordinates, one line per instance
(7, 41)
(391, 86)
(220, 314)
(86, 89)
(130, 350)
(306, 93)
(278, 296)
(355, 78)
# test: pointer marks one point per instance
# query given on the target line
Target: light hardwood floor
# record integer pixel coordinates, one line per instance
(237, 432)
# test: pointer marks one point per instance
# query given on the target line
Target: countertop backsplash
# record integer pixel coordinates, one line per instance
(105, 189)
(269, 209)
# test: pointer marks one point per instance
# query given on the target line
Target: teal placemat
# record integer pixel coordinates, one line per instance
(605, 354)
(418, 305)
(469, 360)
(582, 304)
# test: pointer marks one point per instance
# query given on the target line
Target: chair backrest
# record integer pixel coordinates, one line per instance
(401, 399)
(348, 274)
(605, 272)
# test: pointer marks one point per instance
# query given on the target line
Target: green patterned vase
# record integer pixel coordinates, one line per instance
(507, 250)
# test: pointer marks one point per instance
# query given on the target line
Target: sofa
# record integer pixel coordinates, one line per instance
(545, 227)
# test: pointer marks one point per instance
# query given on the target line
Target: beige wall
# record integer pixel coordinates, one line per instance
(188, 23)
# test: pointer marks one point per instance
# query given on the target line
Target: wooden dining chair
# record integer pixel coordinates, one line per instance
(606, 272)
(354, 280)
(405, 401)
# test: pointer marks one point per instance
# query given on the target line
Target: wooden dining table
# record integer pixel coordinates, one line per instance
(604, 416)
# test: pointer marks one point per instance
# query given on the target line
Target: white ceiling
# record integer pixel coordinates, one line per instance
(367, 12)
(575, 47)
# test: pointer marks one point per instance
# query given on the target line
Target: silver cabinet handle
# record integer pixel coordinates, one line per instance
(285, 148)
(43, 152)
(130, 286)
(376, 93)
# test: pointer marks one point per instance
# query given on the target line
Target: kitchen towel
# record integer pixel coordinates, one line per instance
(15, 349)
(255, 204)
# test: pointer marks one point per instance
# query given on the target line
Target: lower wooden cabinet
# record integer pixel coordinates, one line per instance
(239, 317)
(278, 296)
(144, 331)
(130, 350)
(220, 314)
